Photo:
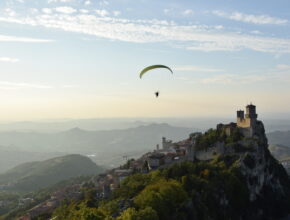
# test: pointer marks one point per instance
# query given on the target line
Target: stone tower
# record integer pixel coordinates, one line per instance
(248, 120)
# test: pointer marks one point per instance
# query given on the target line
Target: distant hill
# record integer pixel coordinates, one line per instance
(280, 152)
(279, 137)
(11, 157)
(107, 147)
(35, 175)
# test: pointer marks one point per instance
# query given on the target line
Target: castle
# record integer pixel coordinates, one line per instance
(247, 122)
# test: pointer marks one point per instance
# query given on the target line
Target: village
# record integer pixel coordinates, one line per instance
(169, 153)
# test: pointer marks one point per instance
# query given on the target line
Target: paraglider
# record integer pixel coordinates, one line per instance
(151, 68)
(157, 94)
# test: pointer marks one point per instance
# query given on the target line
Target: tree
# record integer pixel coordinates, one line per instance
(165, 197)
(145, 214)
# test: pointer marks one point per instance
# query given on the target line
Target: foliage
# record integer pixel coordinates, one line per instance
(165, 197)
(212, 136)
(144, 214)
(13, 210)
(206, 190)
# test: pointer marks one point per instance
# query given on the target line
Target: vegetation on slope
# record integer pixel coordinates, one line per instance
(201, 190)
(35, 175)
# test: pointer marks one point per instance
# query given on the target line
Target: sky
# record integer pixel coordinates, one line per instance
(82, 58)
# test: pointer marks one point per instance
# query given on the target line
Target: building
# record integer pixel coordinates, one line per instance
(166, 144)
(247, 122)
(155, 160)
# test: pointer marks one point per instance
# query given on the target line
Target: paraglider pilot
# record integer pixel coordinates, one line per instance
(157, 94)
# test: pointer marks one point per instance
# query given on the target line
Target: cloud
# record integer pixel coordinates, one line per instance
(190, 37)
(84, 11)
(47, 10)
(10, 12)
(166, 11)
(15, 86)
(256, 32)
(102, 12)
(8, 60)
(254, 19)
(88, 2)
(5, 38)
(66, 10)
(188, 12)
(283, 67)
(236, 79)
(116, 13)
(103, 3)
(59, 1)
(196, 69)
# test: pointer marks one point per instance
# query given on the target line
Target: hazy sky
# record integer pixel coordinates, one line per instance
(81, 58)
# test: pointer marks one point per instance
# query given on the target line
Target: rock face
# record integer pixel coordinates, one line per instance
(267, 181)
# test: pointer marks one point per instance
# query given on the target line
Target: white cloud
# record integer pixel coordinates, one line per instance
(116, 13)
(10, 12)
(255, 19)
(5, 38)
(102, 12)
(236, 79)
(283, 67)
(103, 3)
(219, 27)
(166, 11)
(196, 69)
(88, 2)
(15, 86)
(188, 12)
(84, 11)
(47, 10)
(8, 60)
(69, 86)
(256, 32)
(65, 10)
(33, 10)
(191, 37)
(59, 1)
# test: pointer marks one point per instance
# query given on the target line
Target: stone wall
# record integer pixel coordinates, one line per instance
(210, 153)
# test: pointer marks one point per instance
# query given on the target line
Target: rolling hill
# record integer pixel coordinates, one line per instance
(35, 175)
(107, 147)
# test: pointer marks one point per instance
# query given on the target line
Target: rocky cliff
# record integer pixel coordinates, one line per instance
(267, 181)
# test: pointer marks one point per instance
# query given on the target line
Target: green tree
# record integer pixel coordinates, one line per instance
(165, 197)
(145, 214)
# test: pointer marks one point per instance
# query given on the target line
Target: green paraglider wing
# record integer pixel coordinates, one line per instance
(153, 67)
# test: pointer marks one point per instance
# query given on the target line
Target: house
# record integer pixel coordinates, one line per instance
(155, 160)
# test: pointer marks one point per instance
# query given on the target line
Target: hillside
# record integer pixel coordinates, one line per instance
(280, 152)
(235, 177)
(35, 175)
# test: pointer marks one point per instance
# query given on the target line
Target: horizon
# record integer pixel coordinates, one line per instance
(82, 58)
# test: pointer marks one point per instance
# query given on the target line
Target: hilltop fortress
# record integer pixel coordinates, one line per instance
(247, 123)
(214, 142)
(245, 141)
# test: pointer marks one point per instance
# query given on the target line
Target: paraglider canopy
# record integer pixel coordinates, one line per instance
(153, 67)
